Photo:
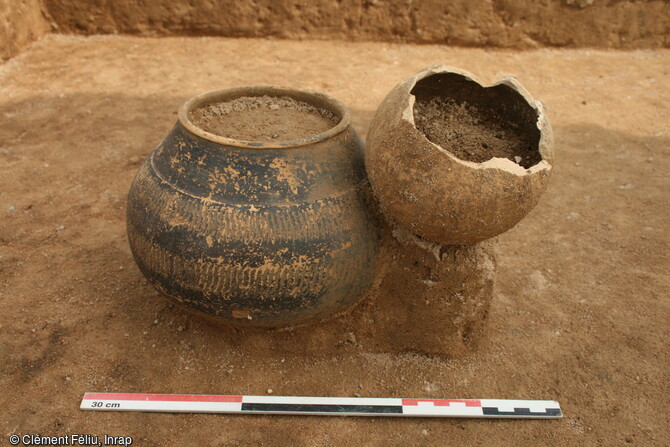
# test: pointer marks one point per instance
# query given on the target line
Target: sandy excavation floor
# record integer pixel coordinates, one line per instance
(581, 312)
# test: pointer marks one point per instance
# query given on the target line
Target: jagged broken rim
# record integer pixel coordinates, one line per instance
(313, 98)
(504, 164)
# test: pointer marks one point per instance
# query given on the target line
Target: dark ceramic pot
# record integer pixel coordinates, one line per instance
(260, 234)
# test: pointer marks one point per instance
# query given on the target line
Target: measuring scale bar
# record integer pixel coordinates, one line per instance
(323, 406)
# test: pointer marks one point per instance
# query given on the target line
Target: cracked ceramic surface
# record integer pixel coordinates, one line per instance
(435, 194)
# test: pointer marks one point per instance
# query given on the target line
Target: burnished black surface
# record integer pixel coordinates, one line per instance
(258, 236)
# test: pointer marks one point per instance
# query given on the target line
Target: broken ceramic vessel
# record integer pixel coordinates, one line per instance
(434, 193)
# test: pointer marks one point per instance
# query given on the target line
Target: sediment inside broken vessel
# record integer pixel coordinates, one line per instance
(476, 123)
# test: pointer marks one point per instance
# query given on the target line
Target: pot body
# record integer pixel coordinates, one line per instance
(434, 194)
(255, 236)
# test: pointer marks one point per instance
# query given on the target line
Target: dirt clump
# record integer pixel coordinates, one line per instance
(447, 288)
(263, 119)
(473, 133)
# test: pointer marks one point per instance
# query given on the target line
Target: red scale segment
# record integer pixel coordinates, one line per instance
(444, 402)
(162, 397)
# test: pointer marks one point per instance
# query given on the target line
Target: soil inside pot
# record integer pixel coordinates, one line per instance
(476, 123)
(263, 119)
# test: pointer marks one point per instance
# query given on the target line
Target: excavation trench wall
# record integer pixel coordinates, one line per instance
(21, 22)
(623, 24)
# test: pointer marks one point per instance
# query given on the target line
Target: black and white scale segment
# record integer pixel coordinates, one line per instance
(323, 406)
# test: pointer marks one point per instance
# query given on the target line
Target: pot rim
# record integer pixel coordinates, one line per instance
(314, 98)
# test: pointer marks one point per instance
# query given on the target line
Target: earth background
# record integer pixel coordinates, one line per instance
(580, 312)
